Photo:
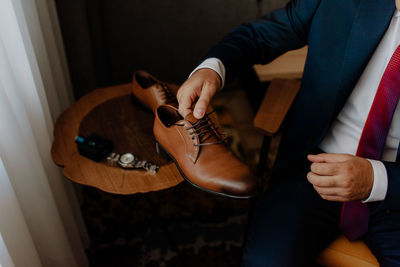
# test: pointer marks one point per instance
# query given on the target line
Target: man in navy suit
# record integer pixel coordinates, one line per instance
(322, 171)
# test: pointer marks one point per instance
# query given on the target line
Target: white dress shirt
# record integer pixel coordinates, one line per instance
(345, 132)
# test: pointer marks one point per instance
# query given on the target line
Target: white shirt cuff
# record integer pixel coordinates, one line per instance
(379, 188)
(214, 64)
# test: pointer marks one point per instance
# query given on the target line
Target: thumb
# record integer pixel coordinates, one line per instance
(329, 157)
(206, 94)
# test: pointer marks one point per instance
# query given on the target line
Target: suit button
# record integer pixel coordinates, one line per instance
(387, 211)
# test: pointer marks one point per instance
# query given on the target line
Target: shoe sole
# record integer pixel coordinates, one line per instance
(160, 149)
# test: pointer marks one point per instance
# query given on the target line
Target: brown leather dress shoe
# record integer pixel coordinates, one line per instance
(201, 155)
(150, 91)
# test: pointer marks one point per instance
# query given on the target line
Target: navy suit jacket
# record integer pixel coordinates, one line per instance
(342, 36)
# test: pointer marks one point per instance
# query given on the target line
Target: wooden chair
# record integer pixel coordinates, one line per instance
(272, 112)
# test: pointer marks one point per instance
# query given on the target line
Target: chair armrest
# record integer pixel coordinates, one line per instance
(275, 105)
(288, 66)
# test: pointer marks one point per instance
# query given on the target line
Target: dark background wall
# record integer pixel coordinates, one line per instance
(106, 41)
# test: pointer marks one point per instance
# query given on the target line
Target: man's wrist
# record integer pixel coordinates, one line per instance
(216, 65)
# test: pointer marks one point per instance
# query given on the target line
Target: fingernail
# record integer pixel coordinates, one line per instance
(198, 113)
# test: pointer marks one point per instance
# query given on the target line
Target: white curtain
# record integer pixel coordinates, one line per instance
(14, 228)
(4, 255)
(40, 223)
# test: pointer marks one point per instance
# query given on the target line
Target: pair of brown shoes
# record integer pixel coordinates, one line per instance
(196, 146)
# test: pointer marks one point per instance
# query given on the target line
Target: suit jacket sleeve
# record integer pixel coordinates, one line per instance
(262, 41)
(392, 199)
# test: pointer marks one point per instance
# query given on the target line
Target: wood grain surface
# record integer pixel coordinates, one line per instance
(288, 66)
(275, 105)
(115, 114)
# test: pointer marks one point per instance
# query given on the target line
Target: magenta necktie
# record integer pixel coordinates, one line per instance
(355, 214)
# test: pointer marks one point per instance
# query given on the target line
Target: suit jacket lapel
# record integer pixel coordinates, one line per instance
(370, 24)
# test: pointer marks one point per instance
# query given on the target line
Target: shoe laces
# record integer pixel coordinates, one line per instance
(165, 93)
(204, 129)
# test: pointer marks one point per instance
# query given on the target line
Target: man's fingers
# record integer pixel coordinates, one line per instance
(325, 168)
(185, 112)
(203, 84)
(329, 157)
(315, 158)
(207, 93)
(329, 191)
(185, 105)
(322, 181)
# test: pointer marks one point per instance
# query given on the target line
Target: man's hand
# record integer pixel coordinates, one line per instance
(341, 177)
(203, 84)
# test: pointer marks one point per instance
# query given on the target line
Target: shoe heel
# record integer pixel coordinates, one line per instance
(160, 150)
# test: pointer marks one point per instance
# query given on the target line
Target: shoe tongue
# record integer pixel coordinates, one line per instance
(190, 118)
